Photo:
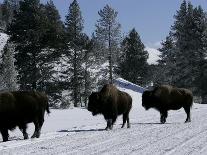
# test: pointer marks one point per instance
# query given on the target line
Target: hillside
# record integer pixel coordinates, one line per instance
(76, 131)
(153, 55)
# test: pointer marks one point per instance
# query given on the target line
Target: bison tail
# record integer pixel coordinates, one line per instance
(191, 102)
(47, 108)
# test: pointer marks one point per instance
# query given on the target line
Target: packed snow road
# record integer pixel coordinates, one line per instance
(75, 131)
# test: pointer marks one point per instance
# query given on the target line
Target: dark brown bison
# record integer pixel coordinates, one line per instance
(19, 108)
(111, 102)
(165, 97)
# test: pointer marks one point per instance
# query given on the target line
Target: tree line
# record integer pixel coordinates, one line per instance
(47, 54)
(183, 59)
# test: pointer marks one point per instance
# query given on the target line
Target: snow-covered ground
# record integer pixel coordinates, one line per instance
(76, 131)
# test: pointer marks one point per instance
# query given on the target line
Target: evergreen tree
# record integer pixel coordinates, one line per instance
(188, 63)
(108, 33)
(74, 28)
(2, 25)
(8, 68)
(54, 28)
(167, 64)
(98, 63)
(186, 48)
(203, 82)
(133, 66)
(37, 32)
(99, 50)
(87, 63)
(27, 32)
(7, 12)
(51, 54)
(2, 85)
(200, 41)
(190, 40)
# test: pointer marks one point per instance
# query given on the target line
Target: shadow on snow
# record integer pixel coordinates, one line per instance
(82, 130)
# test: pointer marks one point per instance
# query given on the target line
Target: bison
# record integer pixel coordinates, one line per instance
(18, 108)
(110, 102)
(166, 97)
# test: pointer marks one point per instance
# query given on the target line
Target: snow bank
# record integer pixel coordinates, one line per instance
(128, 85)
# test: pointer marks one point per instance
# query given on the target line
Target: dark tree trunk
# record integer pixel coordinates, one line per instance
(75, 81)
(110, 58)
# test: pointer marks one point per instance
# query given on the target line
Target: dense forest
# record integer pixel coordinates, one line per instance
(47, 54)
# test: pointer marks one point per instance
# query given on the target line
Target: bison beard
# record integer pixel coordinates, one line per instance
(19, 108)
(165, 97)
(110, 102)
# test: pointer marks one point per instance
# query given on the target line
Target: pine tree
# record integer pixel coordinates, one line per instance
(167, 64)
(51, 54)
(184, 36)
(55, 28)
(14, 4)
(189, 32)
(99, 50)
(2, 85)
(2, 25)
(74, 28)
(200, 41)
(108, 33)
(87, 63)
(27, 32)
(203, 82)
(37, 32)
(133, 66)
(7, 12)
(9, 71)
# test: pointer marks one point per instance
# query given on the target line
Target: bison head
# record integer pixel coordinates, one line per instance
(94, 103)
(147, 99)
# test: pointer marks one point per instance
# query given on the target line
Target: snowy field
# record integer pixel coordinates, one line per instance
(76, 131)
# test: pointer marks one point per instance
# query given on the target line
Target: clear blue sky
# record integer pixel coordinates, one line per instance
(151, 18)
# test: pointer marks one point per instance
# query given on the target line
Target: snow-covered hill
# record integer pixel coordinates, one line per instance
(153, 55)
(76, 131)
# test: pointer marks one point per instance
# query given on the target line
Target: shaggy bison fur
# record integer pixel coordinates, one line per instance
(18, 108)
(165, 97)
(110, 102)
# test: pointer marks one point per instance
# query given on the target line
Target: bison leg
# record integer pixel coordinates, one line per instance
(163, 117)
(5, 134)
(126, 118)
(38, 125)
(109, 124)
(23, 129)
(128, 123)
(36, 133)
(114, 120)
(187, 110)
